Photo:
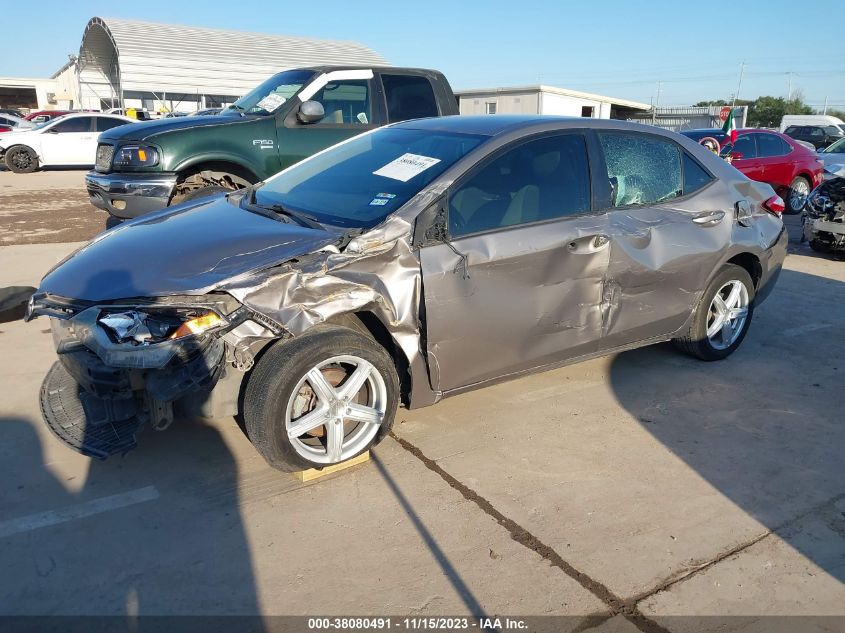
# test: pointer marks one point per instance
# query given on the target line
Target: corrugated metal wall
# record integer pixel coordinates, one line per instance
(148, 57)
(679, 119)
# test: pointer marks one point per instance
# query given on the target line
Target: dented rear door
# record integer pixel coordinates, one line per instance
(669, 224)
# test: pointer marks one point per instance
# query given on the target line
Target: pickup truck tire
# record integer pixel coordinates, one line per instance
(736, 312)
(320, 399)
(21, 159)
(203, 192)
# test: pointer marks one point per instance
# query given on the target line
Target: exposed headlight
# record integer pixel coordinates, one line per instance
(143, 328)
(135, 156)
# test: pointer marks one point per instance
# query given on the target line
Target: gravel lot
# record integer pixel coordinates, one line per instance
(47, 207)
(633, 489)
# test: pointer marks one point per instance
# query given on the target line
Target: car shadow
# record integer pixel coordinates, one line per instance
(765, 426)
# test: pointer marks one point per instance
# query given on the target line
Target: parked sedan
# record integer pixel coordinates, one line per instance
(12, 123)
(68, 140)
(833, 155)
(41, 116)
(819, 135)
(404, 265)
(772, 157)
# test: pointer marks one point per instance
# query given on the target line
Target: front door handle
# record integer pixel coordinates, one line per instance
(708, 218)
(588, 244)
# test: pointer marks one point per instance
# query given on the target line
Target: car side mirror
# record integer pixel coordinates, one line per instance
(52, 130)
(736, 155)
(310, 112)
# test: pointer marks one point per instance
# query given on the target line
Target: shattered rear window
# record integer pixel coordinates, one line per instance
(642, 169)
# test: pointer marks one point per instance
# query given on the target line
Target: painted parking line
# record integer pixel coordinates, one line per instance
(803, 329)
(78, 511)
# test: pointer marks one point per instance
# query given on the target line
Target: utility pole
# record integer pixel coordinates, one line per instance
(656, 103)
(789, 89)
(739, 85)
(825, 105)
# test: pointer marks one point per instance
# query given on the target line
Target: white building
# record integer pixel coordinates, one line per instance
(546, 100)
(164, 67)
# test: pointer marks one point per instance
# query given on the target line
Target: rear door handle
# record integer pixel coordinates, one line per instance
(708, 218)
(588, 244)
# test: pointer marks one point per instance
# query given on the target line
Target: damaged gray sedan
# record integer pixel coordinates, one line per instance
(407, 264)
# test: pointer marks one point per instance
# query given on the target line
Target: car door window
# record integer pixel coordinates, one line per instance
(345, 103)
(770, 146)
(539, 180)
(76, 124)
(408, 97)
(816, 132)
(695, 176)
(642, 169)
(746, 145)
(104, 123)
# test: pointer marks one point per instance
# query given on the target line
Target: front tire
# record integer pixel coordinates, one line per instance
(320, 399)
(21, 159)
(204, 192)
(796, 197)
(722, 317)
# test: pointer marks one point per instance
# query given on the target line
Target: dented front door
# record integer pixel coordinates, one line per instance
(524, 298)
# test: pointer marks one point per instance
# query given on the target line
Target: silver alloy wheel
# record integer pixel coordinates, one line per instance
(798, 194)
(728, 314)
(328, 423)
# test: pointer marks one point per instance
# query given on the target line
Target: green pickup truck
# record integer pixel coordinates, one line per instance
(147, 166)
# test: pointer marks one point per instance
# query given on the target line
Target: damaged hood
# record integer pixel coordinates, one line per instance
(188, 250)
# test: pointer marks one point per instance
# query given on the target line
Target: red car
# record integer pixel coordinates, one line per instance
(45, 115)
(789, 167)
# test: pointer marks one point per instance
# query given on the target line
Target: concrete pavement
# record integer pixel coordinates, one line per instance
(647, 484)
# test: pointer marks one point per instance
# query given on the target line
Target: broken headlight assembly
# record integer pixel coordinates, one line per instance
(150, 326)
(135, 156)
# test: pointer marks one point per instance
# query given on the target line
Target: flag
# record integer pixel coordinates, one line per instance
(729, 127)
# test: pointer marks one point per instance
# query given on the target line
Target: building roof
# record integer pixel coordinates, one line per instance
(150, 57)
(587, 96)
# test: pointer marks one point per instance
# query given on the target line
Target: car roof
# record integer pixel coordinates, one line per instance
(493, 125)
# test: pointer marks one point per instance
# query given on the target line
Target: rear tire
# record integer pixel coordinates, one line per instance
(705, 339)
(336, 420)
(21, 159)
(796, 197)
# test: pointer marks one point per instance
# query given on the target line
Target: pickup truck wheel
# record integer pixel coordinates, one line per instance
(204, 192)
(797, 195)
(21, 159)
(722, 317)
(320, 399)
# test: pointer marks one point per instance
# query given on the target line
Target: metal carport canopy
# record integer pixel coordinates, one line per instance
(157, 58)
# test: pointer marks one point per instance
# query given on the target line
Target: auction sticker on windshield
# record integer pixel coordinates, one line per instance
(271, 102)
(406, 167)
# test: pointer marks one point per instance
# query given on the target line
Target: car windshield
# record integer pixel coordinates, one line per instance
(47, 122)
(837, 148)
(272, 94)
(360, 182)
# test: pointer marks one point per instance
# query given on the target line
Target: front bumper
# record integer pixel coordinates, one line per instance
(129, 195)
(99, 394)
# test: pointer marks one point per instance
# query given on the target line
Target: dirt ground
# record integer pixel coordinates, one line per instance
(47, 208)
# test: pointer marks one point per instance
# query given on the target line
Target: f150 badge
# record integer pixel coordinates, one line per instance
(263, 143)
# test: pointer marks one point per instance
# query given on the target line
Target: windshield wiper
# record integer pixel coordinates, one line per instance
(278, 209)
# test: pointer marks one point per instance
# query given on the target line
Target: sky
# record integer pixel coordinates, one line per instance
(617, 48)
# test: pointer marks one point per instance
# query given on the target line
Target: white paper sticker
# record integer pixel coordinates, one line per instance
(406, 167)
(271, 102)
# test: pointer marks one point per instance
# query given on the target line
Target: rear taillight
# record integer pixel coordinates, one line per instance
(775, 205)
